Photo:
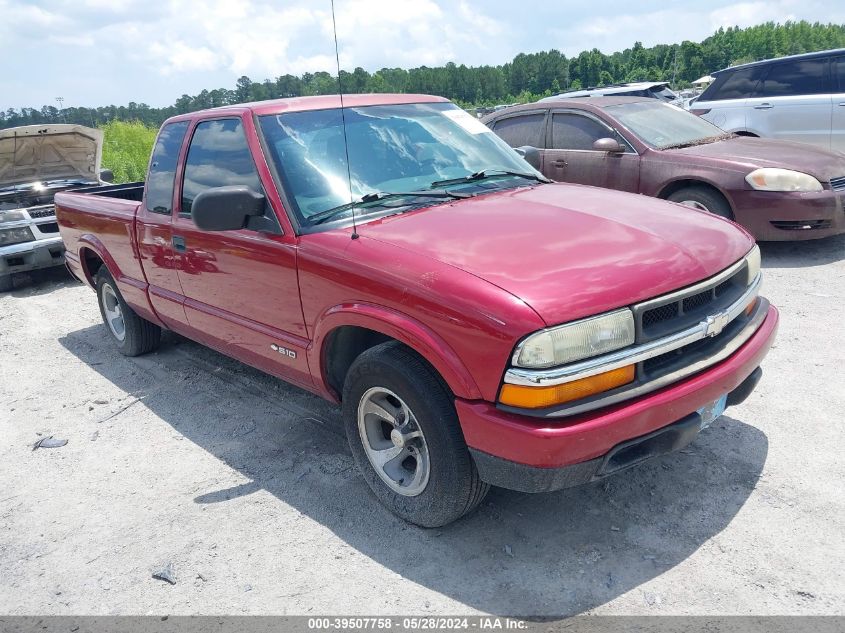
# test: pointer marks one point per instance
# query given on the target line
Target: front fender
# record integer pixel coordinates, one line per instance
(401, 327)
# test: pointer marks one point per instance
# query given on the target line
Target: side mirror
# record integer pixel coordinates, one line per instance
(530, 154)
(227, 208)
(609, 145)
(106, 175)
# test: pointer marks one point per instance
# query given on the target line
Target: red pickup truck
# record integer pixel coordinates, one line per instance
(479, 325)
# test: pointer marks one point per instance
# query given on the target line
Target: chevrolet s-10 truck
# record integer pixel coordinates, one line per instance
(479, 325)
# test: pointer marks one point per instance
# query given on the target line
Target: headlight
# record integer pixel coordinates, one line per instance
(753, 259)
(11, 216)
(774, 179)
(15, 236)
(577, 340)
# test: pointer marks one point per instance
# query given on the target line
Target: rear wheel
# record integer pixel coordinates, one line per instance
(404, 434)
(703, 199)
(134, 335)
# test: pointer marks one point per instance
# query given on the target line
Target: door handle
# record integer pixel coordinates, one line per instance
(764, 106)
(559, 163)
(178, 243)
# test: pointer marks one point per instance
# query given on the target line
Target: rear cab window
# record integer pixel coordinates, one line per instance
(218, 156)
(522, 130)
(159, 194)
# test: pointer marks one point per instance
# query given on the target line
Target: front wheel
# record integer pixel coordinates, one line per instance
(703, 199)
(134, 335)
(404, 434)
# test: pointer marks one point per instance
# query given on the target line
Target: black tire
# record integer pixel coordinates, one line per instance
(6, 283)
(140, 336)
(453, 487)
(705, 199)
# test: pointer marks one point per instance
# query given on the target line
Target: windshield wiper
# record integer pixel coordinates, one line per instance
(374, 197)
(489, 173)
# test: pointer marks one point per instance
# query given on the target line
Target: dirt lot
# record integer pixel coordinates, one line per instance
(246, 486)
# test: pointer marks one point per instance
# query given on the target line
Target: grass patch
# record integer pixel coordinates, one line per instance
(126, 149)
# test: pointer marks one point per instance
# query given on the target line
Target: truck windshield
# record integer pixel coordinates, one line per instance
(665, 126)
(390, 148)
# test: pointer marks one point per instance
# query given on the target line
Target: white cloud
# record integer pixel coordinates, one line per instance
(96, 51)
(684, 21)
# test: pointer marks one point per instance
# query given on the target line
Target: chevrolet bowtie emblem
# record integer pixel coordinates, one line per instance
(715, 323)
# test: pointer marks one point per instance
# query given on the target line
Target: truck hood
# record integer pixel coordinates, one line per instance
(49, 152)
(570, 251)
(754, 153)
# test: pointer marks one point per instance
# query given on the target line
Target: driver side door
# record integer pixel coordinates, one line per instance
(240, 287)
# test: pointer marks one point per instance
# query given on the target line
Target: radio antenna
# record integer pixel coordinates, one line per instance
(343, 123)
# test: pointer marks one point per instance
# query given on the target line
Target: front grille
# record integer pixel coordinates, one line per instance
(838, 184)
(658, 315)
(46, 211)
(48, 227)
(681, 312)
(669, 362)
(696, 301)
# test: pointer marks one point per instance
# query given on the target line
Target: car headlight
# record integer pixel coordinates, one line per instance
(776, 179)
(11, 216)
(15, 236)
(580, 339)
(753, 259)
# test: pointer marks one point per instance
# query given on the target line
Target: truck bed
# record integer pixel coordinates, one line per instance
(102, 219)
(125, 191)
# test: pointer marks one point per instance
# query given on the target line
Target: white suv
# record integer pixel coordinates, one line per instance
(797, 98)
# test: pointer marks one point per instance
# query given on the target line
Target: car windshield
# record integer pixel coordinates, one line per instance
(664, 126)
(391, 149)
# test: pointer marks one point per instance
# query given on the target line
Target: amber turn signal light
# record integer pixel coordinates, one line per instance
(525, 397)
(750, 307)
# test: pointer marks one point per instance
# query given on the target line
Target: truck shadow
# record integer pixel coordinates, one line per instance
(803, 254)
(555, 554)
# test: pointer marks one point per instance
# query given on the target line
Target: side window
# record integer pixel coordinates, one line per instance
(575, 131)
(518, 131)
(838, 72)
(218, 156)
(796, 78)
(163, 167)
(737, 84)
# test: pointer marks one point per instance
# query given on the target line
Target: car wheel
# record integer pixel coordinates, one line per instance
(405, 437)
(703, 199)
(134, 335)
(6, 283)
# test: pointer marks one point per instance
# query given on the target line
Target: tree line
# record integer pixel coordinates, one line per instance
(527, 77)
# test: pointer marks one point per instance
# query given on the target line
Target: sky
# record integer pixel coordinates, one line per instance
(100, 52)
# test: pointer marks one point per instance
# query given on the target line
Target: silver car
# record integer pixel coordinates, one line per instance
(652, 89)
(797, 98)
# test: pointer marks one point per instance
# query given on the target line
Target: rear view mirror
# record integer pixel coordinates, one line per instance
(530, 154)
(226, 208)
(610, 145)
(106, 175)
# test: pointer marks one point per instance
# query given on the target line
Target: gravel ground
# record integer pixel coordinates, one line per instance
(245, 488)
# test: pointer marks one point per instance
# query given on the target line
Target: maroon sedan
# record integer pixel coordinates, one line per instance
(778, 190)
